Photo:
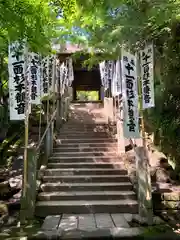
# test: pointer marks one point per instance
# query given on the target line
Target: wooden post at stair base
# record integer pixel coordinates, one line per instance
(144, 186)
(28, 200)
(143, 168)
(32, 177)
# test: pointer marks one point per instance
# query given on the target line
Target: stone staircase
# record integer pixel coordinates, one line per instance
(84, 173)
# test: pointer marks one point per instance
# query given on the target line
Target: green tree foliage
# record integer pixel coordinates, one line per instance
(31, 20)
(111, 23)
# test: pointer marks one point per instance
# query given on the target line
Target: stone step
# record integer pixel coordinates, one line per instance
(81, 158)
(80, 132)
(61, 145)
(86, 165)
(105, 186)
(86, 195)
(85, 178)
(86, 140)
(45, 208)
(85, 149)
(84, 171)
(96, 159)
(86, 136)
(84, 154)
(75, 124)
(81, 128)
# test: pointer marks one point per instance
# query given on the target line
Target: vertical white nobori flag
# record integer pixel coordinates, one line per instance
(51, 60)
(66, 75)
(110, 69)
(28, 82)
(35, 78)
(44, 77)
(106, 80)
(62, 77)
(70, 71)
(116, 81)
(130, 96)
(102, 71)
(16, 67)
(147, 76)
(57, 75)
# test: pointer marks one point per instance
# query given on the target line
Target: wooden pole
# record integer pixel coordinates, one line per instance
(26, 141)
(143, 168)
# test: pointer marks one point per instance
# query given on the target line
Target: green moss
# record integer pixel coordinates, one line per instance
(156, 230)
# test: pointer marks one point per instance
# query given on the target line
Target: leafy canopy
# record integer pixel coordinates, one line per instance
(110, 23)
(33, 20)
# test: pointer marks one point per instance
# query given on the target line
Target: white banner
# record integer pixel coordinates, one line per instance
(106, 80)
(35, 78)
(110, 69)
(102, 71)
(17, 68)
(57, 82)
(51, 73)
(62, 78)
(54, 89)
(130, 96)
(116, 81)
(70, 72)
(44, 77)
(28, 83)
(147, 76)
(66, 75)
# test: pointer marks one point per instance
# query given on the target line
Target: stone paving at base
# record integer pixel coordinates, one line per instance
(90, 226)
(87, 221)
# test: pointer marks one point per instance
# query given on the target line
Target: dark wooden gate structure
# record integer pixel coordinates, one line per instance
(84, 79)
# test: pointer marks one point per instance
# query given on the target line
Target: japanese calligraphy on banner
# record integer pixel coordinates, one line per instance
(17, 68)
(57, 69)
(108, 74)
(28, 83)
(66, 75)
(147, 76)
(110, 65)
(35, 78)
(130, 96)
(44, 76)
(106, 80)
(51, 69)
